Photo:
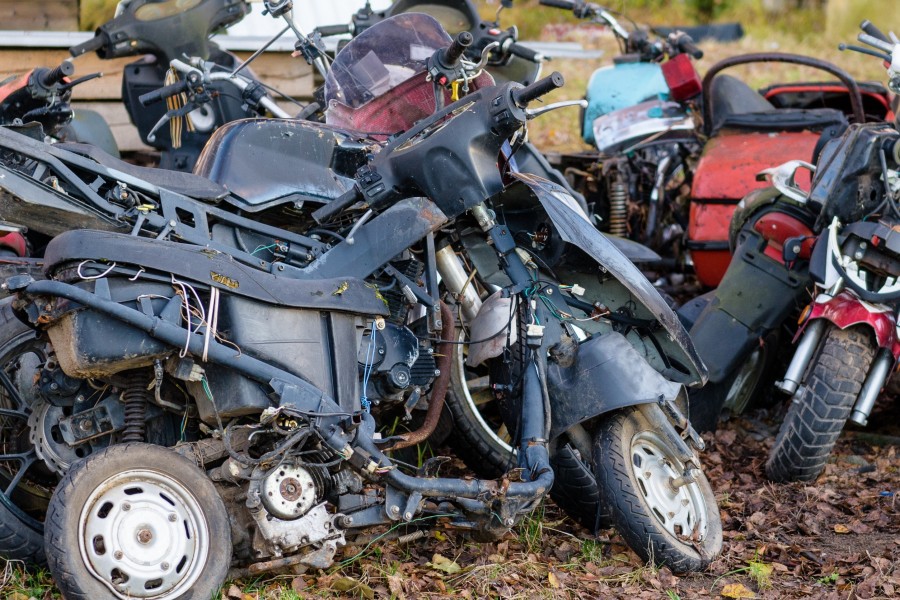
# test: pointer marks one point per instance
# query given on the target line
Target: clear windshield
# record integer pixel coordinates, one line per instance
(383, 57)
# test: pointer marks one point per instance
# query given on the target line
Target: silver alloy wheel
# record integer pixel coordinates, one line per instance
(680, 510)
(144, 535)
(474, 406)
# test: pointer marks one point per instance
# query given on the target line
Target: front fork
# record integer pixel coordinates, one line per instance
(879, 371)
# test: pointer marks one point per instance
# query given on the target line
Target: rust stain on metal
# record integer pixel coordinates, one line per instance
(224, 280)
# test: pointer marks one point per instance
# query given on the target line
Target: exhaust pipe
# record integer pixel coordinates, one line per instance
(802, 356)
(875, 380)
(458, 281)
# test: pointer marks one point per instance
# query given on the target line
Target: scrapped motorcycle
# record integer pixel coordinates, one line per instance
(179, 346)
(744, 338)
(160, 32)
(639, 118)
(849, 344)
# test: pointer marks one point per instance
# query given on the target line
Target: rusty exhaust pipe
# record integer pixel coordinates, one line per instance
(441, 384)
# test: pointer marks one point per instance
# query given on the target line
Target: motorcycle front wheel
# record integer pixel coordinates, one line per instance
(137, 521)
(663, 522)
(816, 417)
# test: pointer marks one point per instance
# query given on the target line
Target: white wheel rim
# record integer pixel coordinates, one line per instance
(680, 510)
(470, 401)
(144, 535)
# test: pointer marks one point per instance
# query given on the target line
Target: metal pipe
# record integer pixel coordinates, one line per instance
(458, 282)
(439, 391)
(802, 356)
(878, 374)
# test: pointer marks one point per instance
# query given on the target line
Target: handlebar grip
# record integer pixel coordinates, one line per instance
(539, 88)
(163, 92)
(455, 51)
(564, 4)
(345, 200)
(56, 75)
(688, 46)
(524, 52)
(328, 30)
(95, 43)
(870, 28)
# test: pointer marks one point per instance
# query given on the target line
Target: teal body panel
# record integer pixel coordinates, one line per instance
(620, 86)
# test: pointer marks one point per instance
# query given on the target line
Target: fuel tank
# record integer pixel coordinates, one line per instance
(620, 86)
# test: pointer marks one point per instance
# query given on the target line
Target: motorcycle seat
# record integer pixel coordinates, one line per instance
(187, 184)
(737, 106)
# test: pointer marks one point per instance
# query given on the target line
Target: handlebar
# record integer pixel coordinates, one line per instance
(329, 30)
(455, 51)
(345, 200)
(52, 77)
(163, 92)
(564, 4)
(539, 88)
(93, 44)
(872, 30)
(524, 52)
(686, 44)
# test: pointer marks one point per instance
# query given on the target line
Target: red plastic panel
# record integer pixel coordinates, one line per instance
(730, 161)
(776, 228)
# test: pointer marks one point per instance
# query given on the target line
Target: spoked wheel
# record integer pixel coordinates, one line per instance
(25, 482)
(663, 518)
(137, 521)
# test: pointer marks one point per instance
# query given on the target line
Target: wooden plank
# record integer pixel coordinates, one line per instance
(29, 14)
(116, 116)
(290, 75)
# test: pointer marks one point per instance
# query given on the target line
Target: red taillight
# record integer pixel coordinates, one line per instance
(681, 77)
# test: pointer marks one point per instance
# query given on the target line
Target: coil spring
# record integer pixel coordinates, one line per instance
(618, 209)
(135, 396)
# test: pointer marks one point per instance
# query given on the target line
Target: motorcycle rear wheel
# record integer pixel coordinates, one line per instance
(137, 521)
(21, 505)
(815, 419)
(678, 527)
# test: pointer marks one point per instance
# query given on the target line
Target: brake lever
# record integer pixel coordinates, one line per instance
(532, 113)
(80, 80)
(171, 114)
(485, 56)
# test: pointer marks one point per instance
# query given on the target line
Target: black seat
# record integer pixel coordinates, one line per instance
(737, 106)
(188, 184)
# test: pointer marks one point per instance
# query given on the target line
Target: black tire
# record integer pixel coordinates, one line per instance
(101, 483)
(475, 440)
(631, 506)
(815, 418)
(21, 530)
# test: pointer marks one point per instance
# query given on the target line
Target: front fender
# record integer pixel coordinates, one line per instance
(575, 228)
(594, 384)
(846, 310)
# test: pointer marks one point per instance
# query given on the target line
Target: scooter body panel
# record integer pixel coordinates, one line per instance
(620, 86)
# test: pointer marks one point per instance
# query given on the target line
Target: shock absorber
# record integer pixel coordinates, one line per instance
(618, 205)
(135, 396)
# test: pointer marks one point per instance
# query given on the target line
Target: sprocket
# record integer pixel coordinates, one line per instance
(46, 438)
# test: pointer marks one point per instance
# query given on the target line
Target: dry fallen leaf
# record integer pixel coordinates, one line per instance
(841, 528)
(737, 590)
(440, 562)
(553, 580)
